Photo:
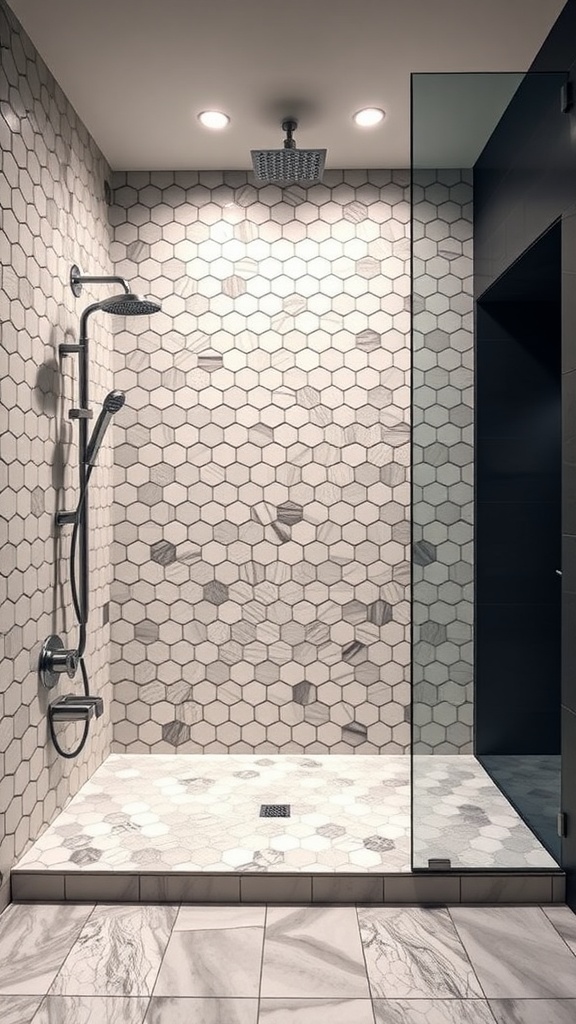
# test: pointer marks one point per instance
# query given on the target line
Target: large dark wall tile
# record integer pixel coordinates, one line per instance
(524, 181)
(519, 669)
(569, 622)
(519, 551)
(512, 470)
(518, 504)
(518, 367)
(569, 452)
(558, 49)
(569, 649)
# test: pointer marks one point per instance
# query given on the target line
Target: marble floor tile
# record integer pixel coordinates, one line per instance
(214, 952)
(432, 1011)
(415, 952)
(564, 921)
(217, 918)
(35, 940)
(348, 813)
(313, 952)
(118, 952)
(166, 1010)
(18, 1009)
(316, 1011)
(516, 952)
(534, 1011)
(91, 1010)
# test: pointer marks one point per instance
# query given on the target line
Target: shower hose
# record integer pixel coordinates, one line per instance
(82, 619)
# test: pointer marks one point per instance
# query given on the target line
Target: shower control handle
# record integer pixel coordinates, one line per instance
(74, 708)
(55, 661)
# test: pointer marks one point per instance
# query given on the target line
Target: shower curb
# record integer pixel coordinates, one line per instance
(513, 887)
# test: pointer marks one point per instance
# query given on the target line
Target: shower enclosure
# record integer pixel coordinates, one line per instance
(486, 451)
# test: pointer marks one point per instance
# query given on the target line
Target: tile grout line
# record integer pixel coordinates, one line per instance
(73, 946)
(556, 929)
(467, 955)
(38, 1008)
(259, 1000)
(163, 957)
(356, 906)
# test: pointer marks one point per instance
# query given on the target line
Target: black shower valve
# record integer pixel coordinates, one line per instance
(56, 661)
(65, 661)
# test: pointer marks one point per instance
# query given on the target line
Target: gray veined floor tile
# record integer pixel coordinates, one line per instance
(165, 1010)
(312, 952)
(217, 918)
(316, 1011)
(18, 1009)
(34, 942)
(432, 1011)
(91, 1010)
(534, 1011)
(415, 953)
(564, 921)
(516, 952)
(118, 953)
(214, 952)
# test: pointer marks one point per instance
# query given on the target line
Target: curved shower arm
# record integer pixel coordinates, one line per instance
(83, 337)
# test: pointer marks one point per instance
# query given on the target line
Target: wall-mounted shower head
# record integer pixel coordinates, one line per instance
(130, 305)
(111, 404)
(288, 166)
(126, 304)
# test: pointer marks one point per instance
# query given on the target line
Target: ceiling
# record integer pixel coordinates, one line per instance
(139, 71)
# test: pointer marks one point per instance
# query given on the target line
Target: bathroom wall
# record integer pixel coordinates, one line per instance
(524, 183)
(262, 492)
(53, 213)
(261, 502)
(443, 462)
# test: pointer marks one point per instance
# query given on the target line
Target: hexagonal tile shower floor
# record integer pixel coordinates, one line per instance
(149, 817)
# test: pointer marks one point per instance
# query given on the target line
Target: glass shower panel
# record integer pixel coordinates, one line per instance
(460, 817)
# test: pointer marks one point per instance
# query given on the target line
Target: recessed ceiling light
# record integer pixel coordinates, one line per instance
(369, 116)
(213, 119)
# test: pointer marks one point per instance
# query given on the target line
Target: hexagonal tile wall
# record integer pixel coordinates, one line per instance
(443, 462)
(267, 452)
(53, 214)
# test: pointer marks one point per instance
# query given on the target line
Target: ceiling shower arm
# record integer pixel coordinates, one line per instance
(289, 127)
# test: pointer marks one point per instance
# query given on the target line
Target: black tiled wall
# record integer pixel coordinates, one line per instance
(524, 182)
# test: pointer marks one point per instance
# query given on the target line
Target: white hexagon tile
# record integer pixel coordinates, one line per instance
(443, 462)
(262, 495)
(54, 213)
(350, 813)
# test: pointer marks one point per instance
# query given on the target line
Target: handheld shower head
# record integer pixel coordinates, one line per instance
(130, 305)
(111, 404)
(288, 165)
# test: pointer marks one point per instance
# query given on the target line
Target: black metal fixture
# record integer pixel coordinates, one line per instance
(55, 659)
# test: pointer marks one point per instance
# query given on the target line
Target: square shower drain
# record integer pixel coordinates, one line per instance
(275, 811)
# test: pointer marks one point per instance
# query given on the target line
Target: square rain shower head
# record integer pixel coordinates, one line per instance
(288, 166)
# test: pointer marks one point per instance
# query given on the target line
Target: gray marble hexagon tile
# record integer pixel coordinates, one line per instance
(262, 506)
(348, 813)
